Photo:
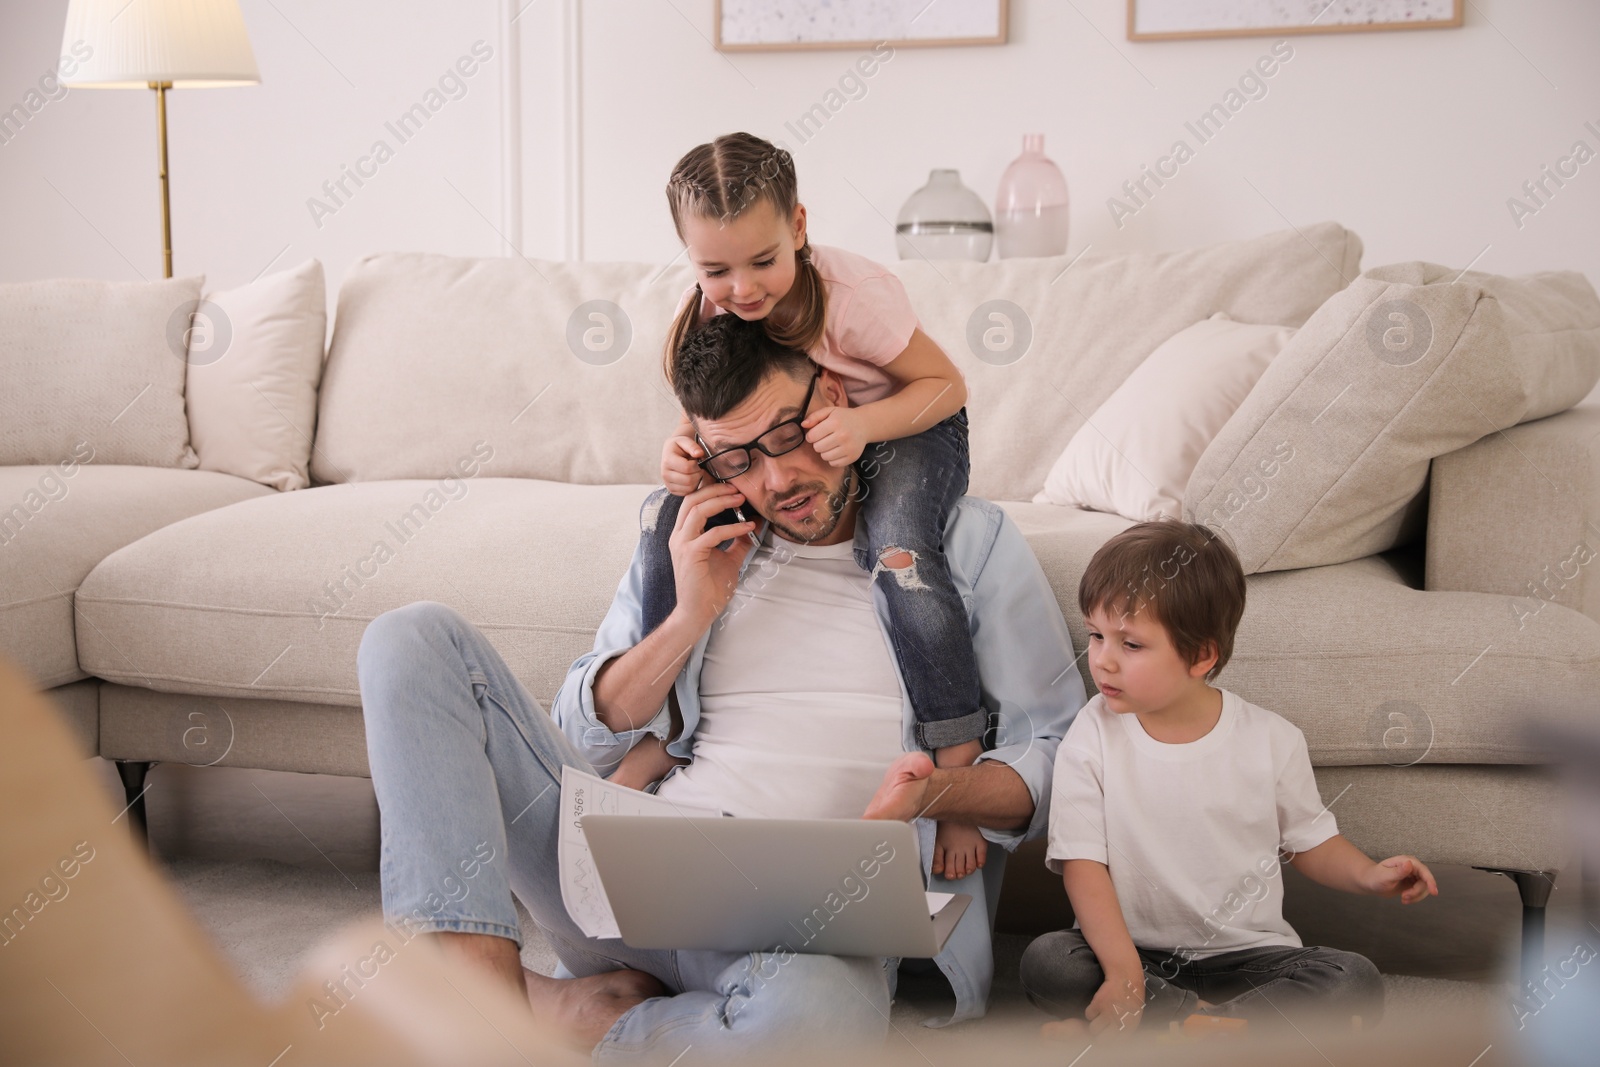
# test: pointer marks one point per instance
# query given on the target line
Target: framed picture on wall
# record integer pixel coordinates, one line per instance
(786, 25)
(1167, 20)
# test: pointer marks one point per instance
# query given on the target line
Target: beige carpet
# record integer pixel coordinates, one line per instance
(264, 916)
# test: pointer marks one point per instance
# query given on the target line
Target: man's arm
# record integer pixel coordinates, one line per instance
(988, 794)
(1028, 671)
(1029, 675)
(630, 689)
(599, 707)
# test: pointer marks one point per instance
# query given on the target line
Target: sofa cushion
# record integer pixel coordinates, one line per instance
(252, 386)
(1541, 551)
(57, 522)
(1135, 454)
(556, 365)
(1326, 459)
(95, 362)
(1375, 671)
(1043, 342)
(269, 598)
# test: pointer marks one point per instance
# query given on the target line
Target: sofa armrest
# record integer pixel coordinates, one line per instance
(1518, 513)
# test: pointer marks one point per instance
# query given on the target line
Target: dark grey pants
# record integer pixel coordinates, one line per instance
(1061, 975)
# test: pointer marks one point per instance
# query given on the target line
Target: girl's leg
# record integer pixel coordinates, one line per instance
(911, 485)
(656, 519)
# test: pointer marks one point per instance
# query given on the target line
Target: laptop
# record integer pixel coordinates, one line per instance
(837, 887)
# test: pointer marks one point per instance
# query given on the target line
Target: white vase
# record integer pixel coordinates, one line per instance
(944, 220)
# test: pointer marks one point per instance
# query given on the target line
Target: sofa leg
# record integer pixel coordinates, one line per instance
(1534, 888)
(133, 772)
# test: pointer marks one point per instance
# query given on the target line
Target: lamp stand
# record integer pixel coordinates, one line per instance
(166, 196)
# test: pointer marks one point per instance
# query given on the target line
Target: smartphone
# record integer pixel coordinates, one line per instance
(728, 518)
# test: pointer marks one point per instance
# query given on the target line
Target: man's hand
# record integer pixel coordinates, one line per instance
(902, 795)
(838, 434)
(1403, 876)
(1117, 1006)
(706, 576)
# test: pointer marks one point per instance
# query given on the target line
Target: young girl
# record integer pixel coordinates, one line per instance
(735, 206)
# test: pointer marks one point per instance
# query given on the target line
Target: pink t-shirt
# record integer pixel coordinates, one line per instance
(870, 321)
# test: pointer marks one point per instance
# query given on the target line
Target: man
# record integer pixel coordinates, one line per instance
(791, 705)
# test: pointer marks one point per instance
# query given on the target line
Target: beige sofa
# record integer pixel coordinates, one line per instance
(485, 431)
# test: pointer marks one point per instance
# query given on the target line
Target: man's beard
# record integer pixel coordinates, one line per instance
(831, 501)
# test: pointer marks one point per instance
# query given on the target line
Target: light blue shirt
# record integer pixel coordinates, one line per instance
(1028, 674)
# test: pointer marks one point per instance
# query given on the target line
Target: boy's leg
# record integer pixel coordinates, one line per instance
(1269, 984)
(911, 485)
(1060, 974)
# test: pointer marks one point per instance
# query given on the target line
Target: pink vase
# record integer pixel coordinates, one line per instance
(1030, 210)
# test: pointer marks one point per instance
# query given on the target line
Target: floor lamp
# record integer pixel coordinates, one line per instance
(160, 45)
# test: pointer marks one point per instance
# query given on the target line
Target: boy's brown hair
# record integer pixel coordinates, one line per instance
(1185, 574)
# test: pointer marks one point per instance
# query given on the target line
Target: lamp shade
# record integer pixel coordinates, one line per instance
(190, 43)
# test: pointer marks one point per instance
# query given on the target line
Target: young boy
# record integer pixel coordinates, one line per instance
(1174, 803)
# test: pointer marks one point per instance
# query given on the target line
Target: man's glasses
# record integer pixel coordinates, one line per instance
(786, 436)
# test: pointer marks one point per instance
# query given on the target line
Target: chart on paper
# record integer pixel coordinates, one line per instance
(584, 794)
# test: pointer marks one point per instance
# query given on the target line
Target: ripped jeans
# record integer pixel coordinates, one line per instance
(467, 769)
(911, 486)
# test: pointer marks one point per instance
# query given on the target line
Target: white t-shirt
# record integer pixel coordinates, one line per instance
(1191, 833)
(800, 706)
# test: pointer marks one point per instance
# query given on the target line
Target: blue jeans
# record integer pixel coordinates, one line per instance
(911, 485)
(1061, 975)
(467, 769)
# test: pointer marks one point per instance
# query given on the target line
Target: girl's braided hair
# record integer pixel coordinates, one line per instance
(722, 180)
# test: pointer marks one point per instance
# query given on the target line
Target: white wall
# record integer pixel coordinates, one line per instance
(1415, 140)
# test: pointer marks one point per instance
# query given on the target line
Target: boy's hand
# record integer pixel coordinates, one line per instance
(1117, 1006)
(680, 470)
(838, 434)
(1403, 876)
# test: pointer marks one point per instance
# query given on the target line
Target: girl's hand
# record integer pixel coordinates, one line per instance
(680, 472)
(838, 434)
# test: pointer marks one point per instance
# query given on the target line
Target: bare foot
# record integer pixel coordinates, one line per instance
(1064, 1029)
(958, 849)
(582, 1010)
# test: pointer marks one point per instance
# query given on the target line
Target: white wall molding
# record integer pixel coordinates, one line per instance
(511, 129)
(572, 125)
